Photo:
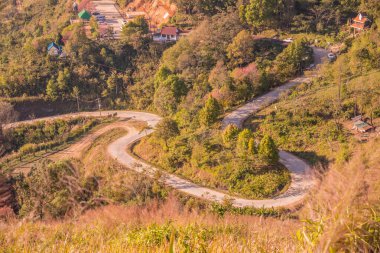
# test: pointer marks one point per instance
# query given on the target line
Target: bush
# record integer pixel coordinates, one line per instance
(229, 135)
(268, 150)
(243, 140)
(210, 112)
(28, 148)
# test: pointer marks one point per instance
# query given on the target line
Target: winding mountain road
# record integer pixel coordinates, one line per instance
(301, 173)
(238, 116)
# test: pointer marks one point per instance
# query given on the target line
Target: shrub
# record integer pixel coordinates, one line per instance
(28, 148)
(243, 140)
(268, 150)
(229, 135)
(210, 112)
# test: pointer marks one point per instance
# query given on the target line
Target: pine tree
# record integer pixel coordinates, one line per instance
(242, 144)
(52, 90)
(252, 150)
(268, 151)
(210, 112)
(229, 135)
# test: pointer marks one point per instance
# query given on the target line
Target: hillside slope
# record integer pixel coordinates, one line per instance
(159, 11)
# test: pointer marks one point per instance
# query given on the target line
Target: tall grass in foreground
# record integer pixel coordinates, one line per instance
(150, 229)
(344, 213)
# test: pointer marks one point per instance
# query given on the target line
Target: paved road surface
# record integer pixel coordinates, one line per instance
(118, 150)
(302, 178)
(238, 116)
(113, 17)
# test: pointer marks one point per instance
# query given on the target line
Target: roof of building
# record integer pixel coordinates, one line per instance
(360, 26)
(84, 15)
(357, 118)
(360, 18)
(361, 125)
(53, 44)
(169, 30)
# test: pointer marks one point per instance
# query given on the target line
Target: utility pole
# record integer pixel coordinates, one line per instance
(99, 106)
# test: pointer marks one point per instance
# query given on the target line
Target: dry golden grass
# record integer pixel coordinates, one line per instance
(335, 213)
(344, 199)
(146, 229)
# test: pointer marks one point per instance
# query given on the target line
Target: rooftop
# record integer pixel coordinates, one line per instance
(169, 30)
(360, 18)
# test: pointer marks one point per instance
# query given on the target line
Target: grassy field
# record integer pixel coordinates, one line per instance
(43, 146)
(217, 168)
(338, 217)
(305, 121)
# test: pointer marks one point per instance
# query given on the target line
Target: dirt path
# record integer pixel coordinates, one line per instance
(73, 151)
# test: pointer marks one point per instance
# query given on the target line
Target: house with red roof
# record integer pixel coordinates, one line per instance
(360, 23)
(167, 34)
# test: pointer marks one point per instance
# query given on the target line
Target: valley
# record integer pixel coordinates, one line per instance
(189, 126)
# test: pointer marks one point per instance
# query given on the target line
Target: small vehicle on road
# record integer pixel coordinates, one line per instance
(288, 40)
(95, 13)
(310, 67)
(100, 18)
(331, 57)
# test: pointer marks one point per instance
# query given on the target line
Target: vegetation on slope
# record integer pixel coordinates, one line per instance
(221, 64)
(339, 217)
(60, 189)
(314, 119)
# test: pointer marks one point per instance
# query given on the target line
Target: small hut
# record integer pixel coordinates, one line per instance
(53, 49)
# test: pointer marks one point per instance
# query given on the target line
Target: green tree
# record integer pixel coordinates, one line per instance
(113, 84)
(229, 135)
(242, 143)
(164, 100)
(136, 27)
(161, 75)
(241, 51)
(94, 27)
(166, 129)
(252, 147)
(261, 14)
(293, 59)
(63, 81)
(52, 90)
(268, 151)
(177, 85)
(75, 94)
(210, 112)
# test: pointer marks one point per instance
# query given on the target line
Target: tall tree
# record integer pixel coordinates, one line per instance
(166, 129)
(242, 144)
(7, 115)
(230, 134)
(241, 51)
(210, 112)
(268, 150)
(75, 94)
(261, 14)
